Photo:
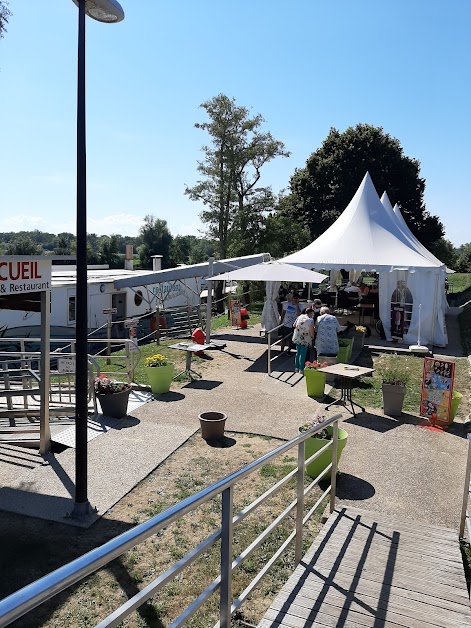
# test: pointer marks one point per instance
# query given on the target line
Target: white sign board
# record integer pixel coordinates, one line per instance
(66, 365)
(133, 346)
(131, 322)
(110, 310)
(22, 274)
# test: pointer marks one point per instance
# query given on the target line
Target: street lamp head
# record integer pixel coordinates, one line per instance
(103, 10)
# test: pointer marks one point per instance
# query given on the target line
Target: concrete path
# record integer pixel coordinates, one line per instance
(388, 466)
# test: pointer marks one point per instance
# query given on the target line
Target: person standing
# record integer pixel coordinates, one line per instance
(291, 311)
(327, 328)
(303, 336)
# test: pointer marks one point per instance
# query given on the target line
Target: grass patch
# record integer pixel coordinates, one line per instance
(459, 282)
(190, 468)
(368, 391)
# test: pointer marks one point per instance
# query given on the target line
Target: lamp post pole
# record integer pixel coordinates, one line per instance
(103, 11)
(82, 505)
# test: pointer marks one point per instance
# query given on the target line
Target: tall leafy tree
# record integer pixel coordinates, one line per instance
(323, 188)
(156, 240)
(24, 245)
(5, 14)
(231, 170)
(63, 244)
(109, 251)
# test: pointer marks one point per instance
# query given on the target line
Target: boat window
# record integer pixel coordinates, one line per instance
(138, 298)
(71, 310)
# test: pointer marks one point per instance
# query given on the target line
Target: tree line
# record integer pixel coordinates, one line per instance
(154, 238)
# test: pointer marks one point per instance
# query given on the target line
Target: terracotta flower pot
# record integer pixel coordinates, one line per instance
(160, 378)
(114, 405)
(212, 425)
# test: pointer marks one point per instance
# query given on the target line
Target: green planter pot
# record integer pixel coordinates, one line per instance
(114, 405)
(311, 445)
(455, 402)
(345, 353)
(160, 378)
(315, 382)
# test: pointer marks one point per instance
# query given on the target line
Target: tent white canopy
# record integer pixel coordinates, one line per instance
(365, 236)
(270, 271)
(273, 272)
(368, 236)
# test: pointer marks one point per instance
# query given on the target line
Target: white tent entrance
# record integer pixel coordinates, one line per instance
(368, 236)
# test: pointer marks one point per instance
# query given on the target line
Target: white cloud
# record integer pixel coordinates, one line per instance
(125, 224)
(23, 222)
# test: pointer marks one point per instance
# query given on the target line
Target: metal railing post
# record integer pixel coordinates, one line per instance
(298, 548)
(226, 559)
(269, 353)
(464, 507)
(333, 473)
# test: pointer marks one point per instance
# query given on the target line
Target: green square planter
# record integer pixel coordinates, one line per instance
(315, 468)
(345, 352)
(315, 382)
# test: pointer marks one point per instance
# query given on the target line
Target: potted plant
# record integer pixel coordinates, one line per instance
(394, 378)
(359, 336)
(112, 395)
(159, 373)
(315, 381)
(319, 440)
(345, 350)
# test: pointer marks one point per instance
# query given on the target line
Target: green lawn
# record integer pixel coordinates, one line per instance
(459, 282)
(368, 389)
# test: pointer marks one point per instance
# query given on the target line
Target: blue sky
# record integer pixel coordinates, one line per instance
(305, 65)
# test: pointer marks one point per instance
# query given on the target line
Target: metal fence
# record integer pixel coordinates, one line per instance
(31, 596)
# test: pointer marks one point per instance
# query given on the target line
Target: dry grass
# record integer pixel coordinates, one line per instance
(189, 469)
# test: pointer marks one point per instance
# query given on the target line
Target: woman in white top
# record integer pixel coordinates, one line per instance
(302, 337)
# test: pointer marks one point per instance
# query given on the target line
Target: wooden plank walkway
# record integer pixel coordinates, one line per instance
(367, 569)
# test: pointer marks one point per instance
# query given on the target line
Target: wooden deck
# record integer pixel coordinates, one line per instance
(366, 569)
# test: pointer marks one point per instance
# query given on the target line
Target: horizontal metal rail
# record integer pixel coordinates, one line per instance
(34, 594)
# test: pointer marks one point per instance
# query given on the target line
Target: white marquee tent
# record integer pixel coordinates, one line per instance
(369, 236)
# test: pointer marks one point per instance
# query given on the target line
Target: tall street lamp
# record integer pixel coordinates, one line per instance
(102, 11)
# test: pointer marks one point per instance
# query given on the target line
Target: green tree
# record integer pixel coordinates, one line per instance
(231, 170)
(463, 259)
(24, 245)
(445, 251)
(109, 251)
(5, 14)
(63, 244)
(323, 188)
(156, 240)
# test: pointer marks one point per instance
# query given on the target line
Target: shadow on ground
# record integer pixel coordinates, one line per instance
(350, 487)
(384, 423)
(203, 384)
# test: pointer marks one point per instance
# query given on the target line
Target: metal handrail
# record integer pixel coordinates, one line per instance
(465, 521)
(21, 602)
(268, 333)
(131, 357)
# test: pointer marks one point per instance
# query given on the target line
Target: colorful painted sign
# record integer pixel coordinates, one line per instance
(437, 391)
(236, 318)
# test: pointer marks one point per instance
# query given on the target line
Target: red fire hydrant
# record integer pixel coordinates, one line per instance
(244, 317)
(198, 337)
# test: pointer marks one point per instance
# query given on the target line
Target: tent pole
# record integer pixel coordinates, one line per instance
(209, 300)
(434, 312)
